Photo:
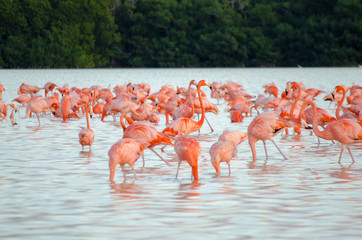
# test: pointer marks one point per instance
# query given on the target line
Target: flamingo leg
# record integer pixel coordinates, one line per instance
(143, 159)
(229, 168)
(212, 130)
(266, 152)
(319, 141)
(178, 167)
(124, 172)
(340, 155)
(350, 153)
(160, 156)
(134, 171)
(279, 149)
(37, 115)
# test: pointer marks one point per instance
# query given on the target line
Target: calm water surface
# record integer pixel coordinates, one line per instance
(49, 188)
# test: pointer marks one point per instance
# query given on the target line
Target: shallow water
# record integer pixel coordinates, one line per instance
(49, 188)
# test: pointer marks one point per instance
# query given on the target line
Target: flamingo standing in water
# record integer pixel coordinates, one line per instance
(38, 105)
(184, 126)
(225, 148)
(125, 151)
(186, 110)
(49, 87)
(345, 131)
(264, 127)
(86, 135)
(144, 131)
(65, 104)
(188, 149)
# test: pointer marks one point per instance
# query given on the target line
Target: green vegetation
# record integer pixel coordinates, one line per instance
(179, 33)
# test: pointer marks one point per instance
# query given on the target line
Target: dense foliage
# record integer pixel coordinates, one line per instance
(179, 33)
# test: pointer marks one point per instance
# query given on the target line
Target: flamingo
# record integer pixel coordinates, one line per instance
(144, 131)
(22, 99)
(184, 126)
(2, 89)
(27, 89)
(65, 104)
(345, 131)
(264, 127)
(324, 117)
(225, 148)
(38, 105)
(49, 87)
(124, 151)
(86, 135)
(12, 119)
(188, 149)
(187, 109)
(222, 151)
(235, 137)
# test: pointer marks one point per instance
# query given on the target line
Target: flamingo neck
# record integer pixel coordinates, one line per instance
(129, 120)
(339, 106)
(191, 100)
(202, 119)
(294, 119)
(322, 134)
(87, 116)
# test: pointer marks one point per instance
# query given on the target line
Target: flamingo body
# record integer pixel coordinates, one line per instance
(188, 149)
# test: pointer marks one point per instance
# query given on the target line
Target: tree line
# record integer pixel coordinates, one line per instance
(179, 33)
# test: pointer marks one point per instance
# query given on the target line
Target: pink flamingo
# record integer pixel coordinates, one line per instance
(144, 131)
(188, 149)
(186, 110)
(49, 87)
(125, 151)
(222, 151)
(235, 137)
(345, 131)
(86, 135)
(27, 89)
(65, 104)
(38, 105)
(184, 126)
(2, 89)
(225, 149)
(264, 127)
(22, 99)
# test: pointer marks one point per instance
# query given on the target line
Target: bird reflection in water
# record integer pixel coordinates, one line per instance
(123, 190)
(87, 156)
(346, 173)
(189, 190)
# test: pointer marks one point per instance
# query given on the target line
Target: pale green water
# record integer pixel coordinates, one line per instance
(50, 189)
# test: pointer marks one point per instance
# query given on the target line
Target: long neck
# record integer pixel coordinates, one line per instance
(322, 134)
(129, 120)
(339, 106)
(191, 99)
(292, 117)
(93, 100)
(202, 106)
(87, 116)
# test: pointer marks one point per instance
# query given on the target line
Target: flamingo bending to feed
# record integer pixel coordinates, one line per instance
(264, 127)
(125, 151)
(225, 149)
(144, 131)
(188, 149)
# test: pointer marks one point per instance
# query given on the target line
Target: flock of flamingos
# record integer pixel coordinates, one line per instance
(139, 111)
